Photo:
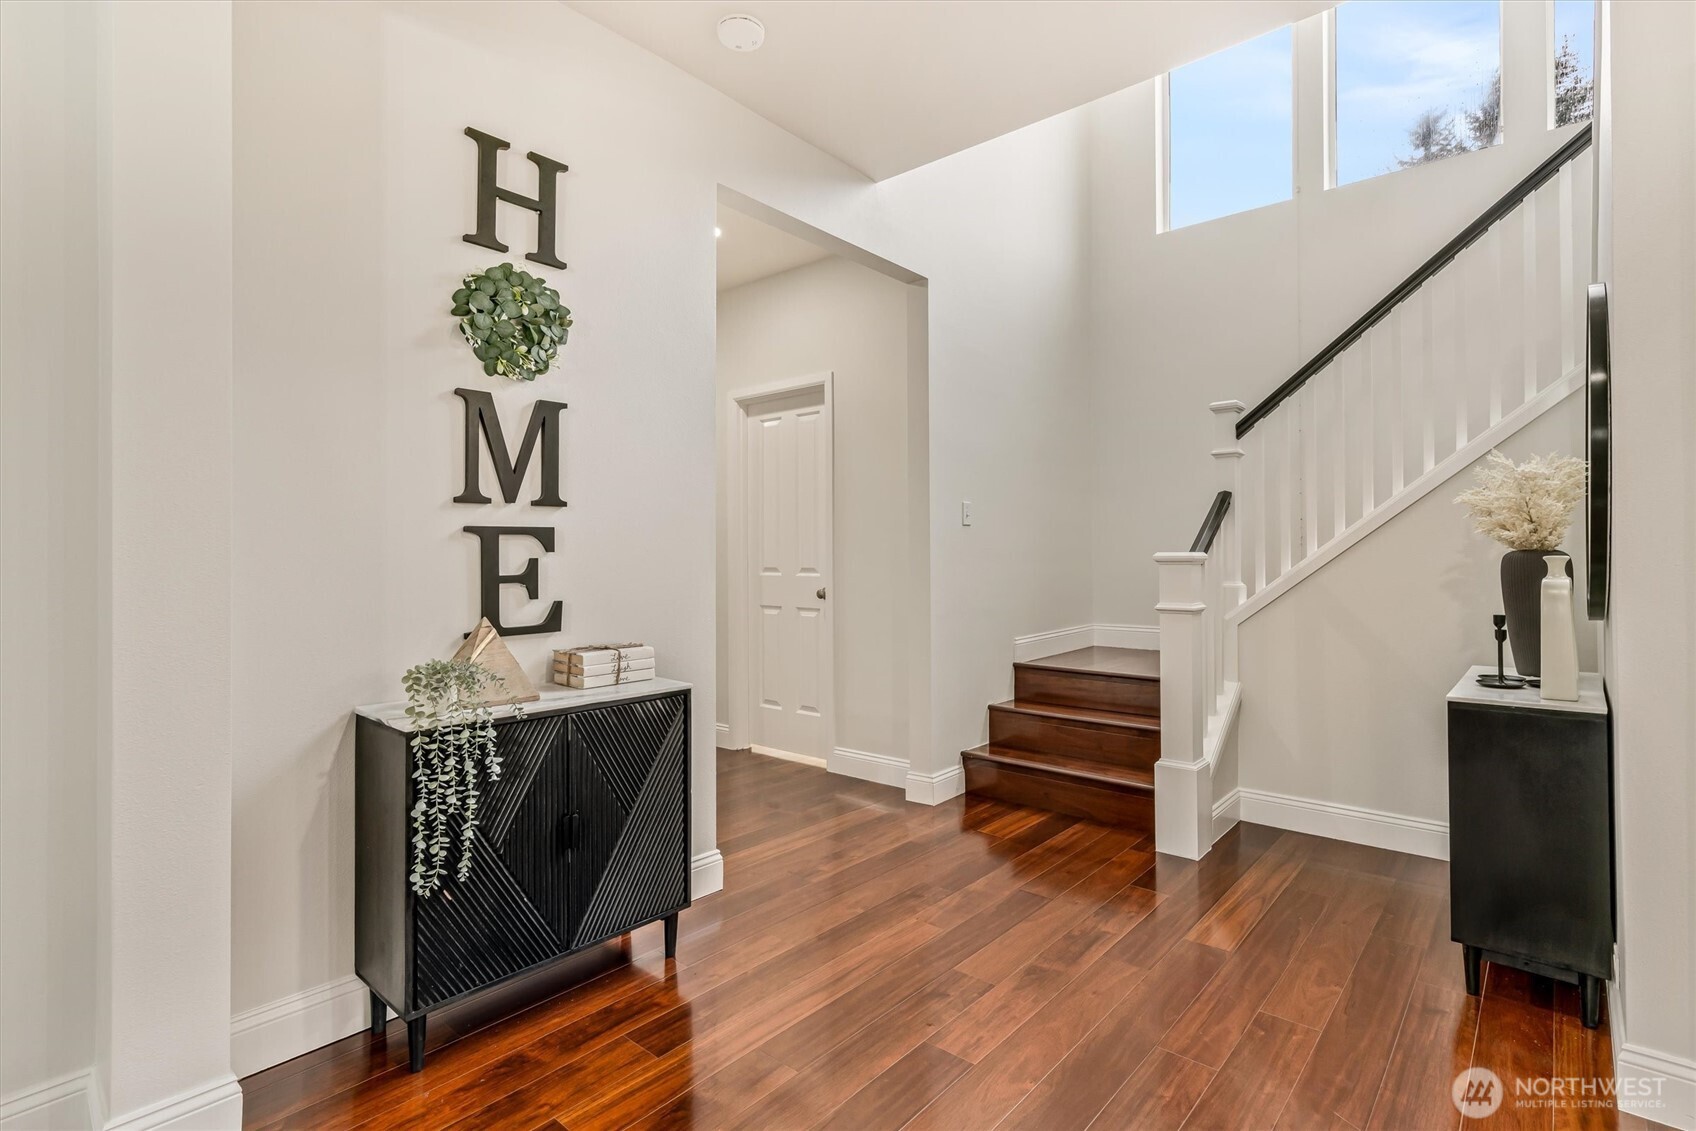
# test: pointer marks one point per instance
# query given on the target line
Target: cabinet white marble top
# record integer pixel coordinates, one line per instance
(553, 698)
(1591, 700)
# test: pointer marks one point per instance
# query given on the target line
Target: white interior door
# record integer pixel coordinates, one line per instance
(788, 475)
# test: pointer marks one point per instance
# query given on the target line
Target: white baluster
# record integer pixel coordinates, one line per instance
(1255, 484)
(1337, 375)
(1397, 379)
(1424, 379)
(1492, 359)
(1528, 295)
(1459, 374)
(1368, 429)
(1566, 310)
(1310, 469)
(1286, 483)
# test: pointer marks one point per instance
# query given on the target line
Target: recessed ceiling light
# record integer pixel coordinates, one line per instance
(741, 33)
(718, 233)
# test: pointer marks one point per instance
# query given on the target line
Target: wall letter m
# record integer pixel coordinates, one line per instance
(480, 417)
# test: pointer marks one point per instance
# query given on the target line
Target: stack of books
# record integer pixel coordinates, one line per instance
(602, 665)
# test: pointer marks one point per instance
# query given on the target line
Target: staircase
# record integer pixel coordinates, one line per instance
(1080, 735)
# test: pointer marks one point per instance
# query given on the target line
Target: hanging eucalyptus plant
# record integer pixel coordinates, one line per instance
(512, 320)
(453, 746)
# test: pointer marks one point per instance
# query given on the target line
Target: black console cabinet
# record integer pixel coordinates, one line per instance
(1531, 835)
(584, 836)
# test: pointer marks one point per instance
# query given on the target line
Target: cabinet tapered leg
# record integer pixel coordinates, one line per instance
(415, 1043)
(379, 1016)
(671, 935)
(1590, 1000)
(1473, 959)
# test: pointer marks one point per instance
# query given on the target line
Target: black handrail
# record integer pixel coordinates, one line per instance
(1537, 178)
(1204, 537)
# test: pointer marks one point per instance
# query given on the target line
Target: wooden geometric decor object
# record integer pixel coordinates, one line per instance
(485, 648)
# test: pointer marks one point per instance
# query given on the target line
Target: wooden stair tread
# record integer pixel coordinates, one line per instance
(1081, 770)
(1088, 715)
(1113, 663)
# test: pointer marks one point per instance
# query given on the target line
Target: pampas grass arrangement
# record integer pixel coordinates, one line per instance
(1525, 506)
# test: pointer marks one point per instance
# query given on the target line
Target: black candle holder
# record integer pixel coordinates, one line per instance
(1501, 679)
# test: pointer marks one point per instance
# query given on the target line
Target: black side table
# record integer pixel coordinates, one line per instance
(1531, 834)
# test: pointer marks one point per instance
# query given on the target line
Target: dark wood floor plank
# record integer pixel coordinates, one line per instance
(1230, 920)
(836, 1074)
(899, 1092)
(1256, 1079)
(539, 1101)
(1432, 1048)
(1516, 1041)
(1159, 1096)
(1085, 1080)
(1348, 1064)
(1316, 976)
(1213, 1024)
(721, 1097)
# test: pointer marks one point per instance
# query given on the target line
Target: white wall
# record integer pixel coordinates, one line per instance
(1230, 308)
(353, 179)
(839, 317)
(1650, 167)
(1344, 676)
(48, 446)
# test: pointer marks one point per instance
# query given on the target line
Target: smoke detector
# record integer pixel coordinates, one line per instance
(741, 33)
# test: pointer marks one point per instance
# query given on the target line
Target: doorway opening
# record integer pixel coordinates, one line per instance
(823, 496)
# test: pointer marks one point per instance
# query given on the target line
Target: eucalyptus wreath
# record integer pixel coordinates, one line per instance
(512, 320)
(453, 745)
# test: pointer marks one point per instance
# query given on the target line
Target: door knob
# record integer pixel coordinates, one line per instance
(821, 593)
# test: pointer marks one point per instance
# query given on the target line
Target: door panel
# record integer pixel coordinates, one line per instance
(629, 768)
(789, 546)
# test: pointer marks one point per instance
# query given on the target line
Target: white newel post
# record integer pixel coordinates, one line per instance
(1228, 476)
(1183, 813)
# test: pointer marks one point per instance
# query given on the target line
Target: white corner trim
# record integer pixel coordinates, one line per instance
(1143, 636)
(863, 764)
(787, 756)
(706, 874)
(62, 1104)
(1227, 811)
(934, 789)
(215, 1106)
(1655, 1085)
(1040, 645)
(722, 734)
(1418, 836)
(283, 1029)
(1413, 492)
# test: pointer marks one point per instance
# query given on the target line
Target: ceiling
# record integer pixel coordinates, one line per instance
(749, 250)
(889, 85)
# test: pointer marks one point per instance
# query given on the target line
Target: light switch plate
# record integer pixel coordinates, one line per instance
(966, 513)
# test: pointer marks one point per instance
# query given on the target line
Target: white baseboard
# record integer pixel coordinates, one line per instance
(787, 756)
(722, 734)
(863, 764)
(1144, 636)
(214, 1107)
(706, 874)
(934, 789)
(1227, 811)
(283, 1029)
(62, 1104)
(1039, 645)
(1655, 1085)
(1417, 836)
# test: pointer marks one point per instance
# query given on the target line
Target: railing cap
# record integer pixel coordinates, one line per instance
(1179, 557)
(1227, 406)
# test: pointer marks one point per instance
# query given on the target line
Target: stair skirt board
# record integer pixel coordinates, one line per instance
(1041, 645)
(284, 1029)
(1417, 836)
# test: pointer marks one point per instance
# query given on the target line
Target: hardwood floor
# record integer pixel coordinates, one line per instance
(874, 964)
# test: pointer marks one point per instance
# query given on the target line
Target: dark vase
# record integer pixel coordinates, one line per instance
(1523, 572)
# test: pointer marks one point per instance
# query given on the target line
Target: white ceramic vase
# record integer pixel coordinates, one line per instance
(1560, 636)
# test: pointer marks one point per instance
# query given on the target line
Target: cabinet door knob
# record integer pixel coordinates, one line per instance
(821, 593)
